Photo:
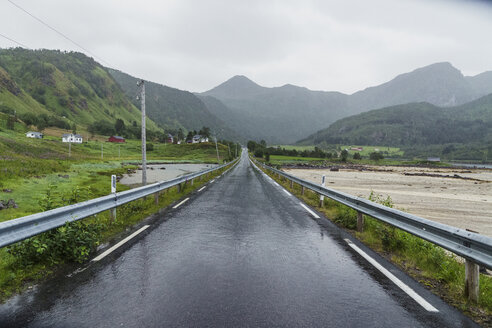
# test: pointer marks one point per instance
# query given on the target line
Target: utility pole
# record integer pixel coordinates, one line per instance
(69, 149)
(144, 146)
(102, 151)
(119, 151)
(217, 149)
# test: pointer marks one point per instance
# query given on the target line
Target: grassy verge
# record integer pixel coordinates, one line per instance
(432, 266)
(32, 261)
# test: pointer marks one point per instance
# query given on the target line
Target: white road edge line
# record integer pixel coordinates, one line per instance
(410, 292)
(201, 189)
(212, 180)
(112, 249)
(178, 205)
(288, 193)
(309, 210)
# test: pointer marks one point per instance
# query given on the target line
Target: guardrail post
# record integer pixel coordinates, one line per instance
(321, 197)
(291, 184)
(302, 190)
(192, 182)
(112, 212)
(156, 198)
(360, 222)
(472, 278)
(178, 186)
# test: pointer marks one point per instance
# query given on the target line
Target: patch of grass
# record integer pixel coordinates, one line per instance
(431, 265)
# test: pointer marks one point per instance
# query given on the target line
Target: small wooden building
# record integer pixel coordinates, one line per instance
(116, 139)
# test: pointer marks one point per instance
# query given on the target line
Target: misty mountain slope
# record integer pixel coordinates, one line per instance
(68, 86)
(481, 83)
(172, 108)
(413, 124)
(282, 114)
(279, 115)
(440, 84)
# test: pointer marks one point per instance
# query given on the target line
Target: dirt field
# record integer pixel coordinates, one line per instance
(163, 172)
(466, 204)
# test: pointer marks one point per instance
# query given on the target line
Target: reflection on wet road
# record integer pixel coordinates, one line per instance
(240, 253)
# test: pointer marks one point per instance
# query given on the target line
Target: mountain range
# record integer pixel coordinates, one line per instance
(288, 113)
(74, 88)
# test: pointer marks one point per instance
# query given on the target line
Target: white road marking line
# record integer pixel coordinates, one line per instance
(212, 180)
(201, 189)
(110, 250)
(410, 292)
(309, 210)
(288, 193)
(178, 205)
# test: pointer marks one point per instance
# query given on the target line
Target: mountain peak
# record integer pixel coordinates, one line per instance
(237, 86)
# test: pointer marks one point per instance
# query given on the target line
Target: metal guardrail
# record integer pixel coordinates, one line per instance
(471, 246)
(15, 230)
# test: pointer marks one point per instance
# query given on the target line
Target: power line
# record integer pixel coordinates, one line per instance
(10, 39)
(58, 32)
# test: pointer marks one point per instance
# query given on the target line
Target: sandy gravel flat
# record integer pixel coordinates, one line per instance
(466, 204)
(163, 172)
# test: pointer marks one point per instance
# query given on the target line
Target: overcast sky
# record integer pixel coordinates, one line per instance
(339, 45)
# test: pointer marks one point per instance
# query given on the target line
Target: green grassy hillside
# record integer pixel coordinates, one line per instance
(175, 109)
(416, 125)
(69, 86)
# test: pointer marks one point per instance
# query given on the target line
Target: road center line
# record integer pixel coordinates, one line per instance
(309, 210)
(201, 188)
(112, 249)
(410, 292)
(178, 205)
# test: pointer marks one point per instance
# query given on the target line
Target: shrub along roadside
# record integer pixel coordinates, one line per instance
(33, 260)
(438, 270)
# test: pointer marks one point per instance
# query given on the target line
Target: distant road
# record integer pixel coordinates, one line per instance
(241, 252)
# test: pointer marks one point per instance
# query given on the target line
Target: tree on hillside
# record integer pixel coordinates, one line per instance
(343, 155)
(119, 126)
(376, 156)
(205, 131)
(357, 156)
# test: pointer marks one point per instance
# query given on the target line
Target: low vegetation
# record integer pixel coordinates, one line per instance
(432, 266)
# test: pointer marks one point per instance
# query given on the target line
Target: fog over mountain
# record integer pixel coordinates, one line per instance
(288, 113)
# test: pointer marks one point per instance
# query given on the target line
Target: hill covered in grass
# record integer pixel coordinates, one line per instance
(68, 88)
(175, 109)
(415, 125)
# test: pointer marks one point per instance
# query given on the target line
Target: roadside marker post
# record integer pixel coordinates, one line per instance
(321, 197)
(360, 222)
(112, 212)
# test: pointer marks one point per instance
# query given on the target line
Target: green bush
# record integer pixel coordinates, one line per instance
(72, 242)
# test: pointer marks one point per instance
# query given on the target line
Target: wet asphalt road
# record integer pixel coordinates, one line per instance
(241, 253)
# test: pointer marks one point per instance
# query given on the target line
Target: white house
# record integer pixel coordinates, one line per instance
(73, 138)
(35, 135)
(199, 138)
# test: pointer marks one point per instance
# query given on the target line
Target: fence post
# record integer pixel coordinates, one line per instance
(472, 278)
(321, 197)
(112, 212)
(360, 222)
